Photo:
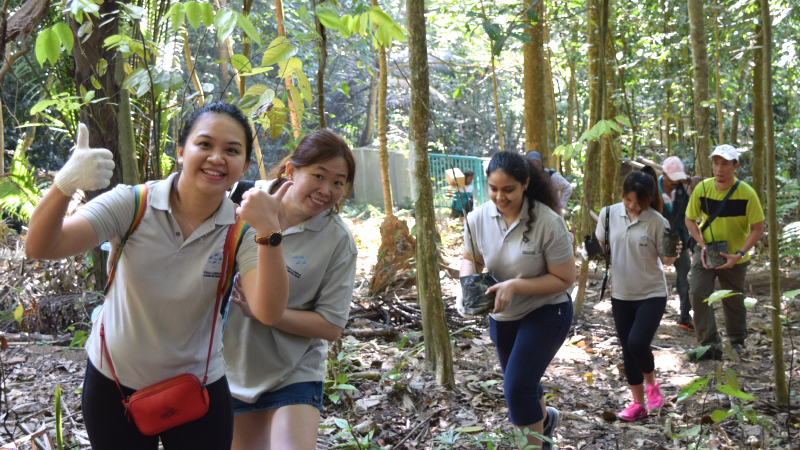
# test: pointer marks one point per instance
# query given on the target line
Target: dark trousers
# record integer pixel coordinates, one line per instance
(525, 348)
(682, 266)
(702, 286)
(637, 322)
(109, 429)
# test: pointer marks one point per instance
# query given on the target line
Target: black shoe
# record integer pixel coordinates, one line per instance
(703, 354)
(739, 348)
(550, 425)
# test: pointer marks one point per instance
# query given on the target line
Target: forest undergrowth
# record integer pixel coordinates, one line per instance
(379, 395)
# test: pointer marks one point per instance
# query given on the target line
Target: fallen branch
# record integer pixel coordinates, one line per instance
(388, 333)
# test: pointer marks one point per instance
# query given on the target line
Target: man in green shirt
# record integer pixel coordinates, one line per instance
(741, 224)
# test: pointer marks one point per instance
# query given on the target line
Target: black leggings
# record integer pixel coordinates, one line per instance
(108, 428)
(637, 322)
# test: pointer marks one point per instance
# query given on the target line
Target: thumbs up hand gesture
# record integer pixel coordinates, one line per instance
(88, 169)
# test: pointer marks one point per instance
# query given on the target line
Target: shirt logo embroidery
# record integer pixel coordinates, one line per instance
(527, 247)
(643, 241)
(213, 265)
(300, 260)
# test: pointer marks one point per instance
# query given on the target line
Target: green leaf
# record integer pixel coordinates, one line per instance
(344, 387)
(379, 17)
(279, 50)
(304, 85)
(493, 30)
(623, 120)
(86, 28)
(256, 89)
(735, 393)
(718, 416)
(249, 29)
(176, 15)
(791, 294)
(42, 105)
(89, 96)
(328, 17)
(297, 103)
(136, 12)
(384, 36)
(341, 423)
(731, 379)
(224, 22)
(64, 33)
(690, 432)
(241, 63)
(207, 12)
(719, 295)
(193, 14)
(532, 16)
(694, 386)
(289, 67)
(497, 47)
(346, 89)
(398, 33)
(18, 311)
(48, 47)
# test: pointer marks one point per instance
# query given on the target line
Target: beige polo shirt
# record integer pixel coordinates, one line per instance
(159, 310)
(636, 270)
(320, 256)
(508, 254)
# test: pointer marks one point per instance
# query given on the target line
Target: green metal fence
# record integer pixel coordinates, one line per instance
(438, 167)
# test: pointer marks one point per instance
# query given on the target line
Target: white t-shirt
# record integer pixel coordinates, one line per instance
(510, 252)
(636, 269)
(160, 307)
(320, 256)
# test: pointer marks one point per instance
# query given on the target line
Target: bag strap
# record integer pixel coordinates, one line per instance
(232, 241)
(608, 244)
(718, 209)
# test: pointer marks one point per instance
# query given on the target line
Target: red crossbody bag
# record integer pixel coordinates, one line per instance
(184, 397)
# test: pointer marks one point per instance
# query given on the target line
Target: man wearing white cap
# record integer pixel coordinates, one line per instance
(740, 222)
(675, 198)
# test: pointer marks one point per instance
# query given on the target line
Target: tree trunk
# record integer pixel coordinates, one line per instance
(720, 117)
(700, 76)
(533, 85)
(127, 142)
(607, 160)
(781, 391)
(737, 105)
(571, 109)
(323, 61)
(438, 353)
(368, 133)
(288, 79)
(758, 112)
(551, 114)
(596, 113)
(383, 150)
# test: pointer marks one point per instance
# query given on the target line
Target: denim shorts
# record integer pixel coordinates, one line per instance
(306, 393)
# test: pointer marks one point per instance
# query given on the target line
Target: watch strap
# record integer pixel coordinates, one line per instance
(741, 253)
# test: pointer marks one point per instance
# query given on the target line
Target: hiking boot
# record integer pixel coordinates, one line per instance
(708, 354)
(632, 412)
(739, 349)
(689, 326)
(654, 398)
(550, 425)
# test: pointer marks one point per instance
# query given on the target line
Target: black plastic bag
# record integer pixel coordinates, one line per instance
(713, 257)
(594, 251)
(473, 288)
(669, 243)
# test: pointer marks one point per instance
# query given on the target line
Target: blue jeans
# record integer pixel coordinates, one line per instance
(304, 393)
(525, 348)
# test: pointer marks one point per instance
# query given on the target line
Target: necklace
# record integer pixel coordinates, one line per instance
(194, 231)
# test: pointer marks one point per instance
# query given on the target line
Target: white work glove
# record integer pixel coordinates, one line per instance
(88, 169)
(460, 305)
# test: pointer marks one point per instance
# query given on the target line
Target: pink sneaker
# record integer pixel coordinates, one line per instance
(654, 398)
(633, 412)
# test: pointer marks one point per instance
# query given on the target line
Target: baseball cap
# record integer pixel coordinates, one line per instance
(726, 151)
(673, 168)
(533, 155)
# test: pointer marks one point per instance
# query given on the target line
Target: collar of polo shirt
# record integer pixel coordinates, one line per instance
(159, 199)
(523, 213)
(644, 216)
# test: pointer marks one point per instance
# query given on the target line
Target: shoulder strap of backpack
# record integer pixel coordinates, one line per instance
(608, 244)
(140, 202)
(232, 243)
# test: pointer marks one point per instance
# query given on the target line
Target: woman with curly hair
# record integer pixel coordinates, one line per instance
(520, 237)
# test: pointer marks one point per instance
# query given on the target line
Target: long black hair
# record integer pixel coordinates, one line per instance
(225, 109)
(643, 184)
(539, 187)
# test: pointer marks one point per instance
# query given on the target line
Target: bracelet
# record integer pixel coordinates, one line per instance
(741, 253)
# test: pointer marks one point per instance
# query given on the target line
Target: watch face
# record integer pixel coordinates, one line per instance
(275, 239)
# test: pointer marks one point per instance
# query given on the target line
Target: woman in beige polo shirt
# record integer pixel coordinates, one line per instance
(520, 237)
(638, 287)
(276, 372)
(159, 310)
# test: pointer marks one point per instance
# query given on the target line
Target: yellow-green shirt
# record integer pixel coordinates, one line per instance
(733, 224)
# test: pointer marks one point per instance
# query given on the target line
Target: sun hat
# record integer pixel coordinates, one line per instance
(673, 168)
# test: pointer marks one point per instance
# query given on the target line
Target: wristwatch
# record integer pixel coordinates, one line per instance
(273, 239)
(741, 253)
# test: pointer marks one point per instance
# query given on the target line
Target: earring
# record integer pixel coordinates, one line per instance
(180, 160)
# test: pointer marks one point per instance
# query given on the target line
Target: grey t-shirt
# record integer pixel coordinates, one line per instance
(160, 307)
(320, 256)
(636, 269)
(509, 254)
